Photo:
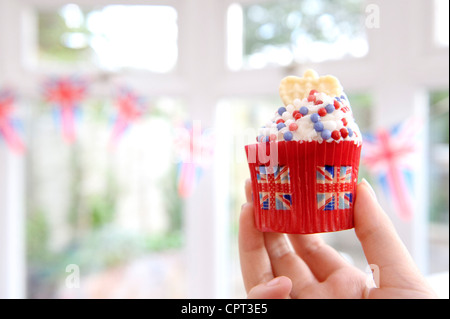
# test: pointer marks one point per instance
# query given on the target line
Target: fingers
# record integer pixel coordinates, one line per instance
(263, 254)
(322, 259)
(380, 242)
(285, 262)
(277, 288)
(255, 262)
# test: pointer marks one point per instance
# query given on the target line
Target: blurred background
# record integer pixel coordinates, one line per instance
(123, 125)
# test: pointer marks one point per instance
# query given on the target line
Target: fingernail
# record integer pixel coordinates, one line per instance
(273, 282)
(372, 192)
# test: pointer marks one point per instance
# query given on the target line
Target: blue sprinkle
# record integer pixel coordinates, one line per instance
(281, 110)
(303, 110)
(343, 97)
(288, 136)
(330, 108)
(266, 139)
(280, 126)
(350, 132)
(338, 98)
(326, 134)
(318, 126)
(315, 117)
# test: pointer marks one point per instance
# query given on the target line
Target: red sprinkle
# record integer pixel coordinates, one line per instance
(311, 98)
(344, 120)
(295, 113)
(298, 116)
(344, 132)
(322, 111)
(317, 102)
(293, 127)
(273, 137)
(280, 121)
(336, 105)
(312, 92)
(336, 135)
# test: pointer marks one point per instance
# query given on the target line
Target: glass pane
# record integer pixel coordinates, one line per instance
(112, 38)
(439, 158)
(439, 181)
(114, 215)
(362, 103)
(441, 22)
(283, 32)
(439, 144)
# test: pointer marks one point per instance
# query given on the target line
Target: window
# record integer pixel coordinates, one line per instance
(110, 38)
(299, 31)
(104, 208)
(104, 203)
(441, 23)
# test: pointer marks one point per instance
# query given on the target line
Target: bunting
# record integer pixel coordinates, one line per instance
(66, 94)
(8, 123)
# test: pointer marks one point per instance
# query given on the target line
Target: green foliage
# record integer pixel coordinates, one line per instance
(173, 202)
(439, 138)
(279, 23)
(37, 228)
(362, 106)
(51, 28)
(439, 117)
(101, 211)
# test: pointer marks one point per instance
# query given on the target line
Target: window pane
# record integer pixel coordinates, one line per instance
(283, 32)
(111, 38)
(113, 213)
(439, 159)
(441, 22)
(439, 181)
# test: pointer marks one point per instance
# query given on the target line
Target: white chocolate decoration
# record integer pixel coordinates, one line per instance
(293, 87)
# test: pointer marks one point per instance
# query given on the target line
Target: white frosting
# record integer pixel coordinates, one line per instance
(339, 120)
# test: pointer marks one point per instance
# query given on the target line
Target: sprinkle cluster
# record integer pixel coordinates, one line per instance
(287, 119)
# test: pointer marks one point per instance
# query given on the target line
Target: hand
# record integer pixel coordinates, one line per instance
(313, 269)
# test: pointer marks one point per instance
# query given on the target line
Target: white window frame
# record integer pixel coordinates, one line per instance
(201, 78)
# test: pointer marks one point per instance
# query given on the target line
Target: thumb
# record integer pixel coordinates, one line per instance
(277, 288)
(382, 246)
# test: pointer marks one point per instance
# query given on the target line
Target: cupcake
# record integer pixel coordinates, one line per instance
(304, 168)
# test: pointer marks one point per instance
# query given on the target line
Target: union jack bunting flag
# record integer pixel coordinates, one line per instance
(334, 187)
(274, 187)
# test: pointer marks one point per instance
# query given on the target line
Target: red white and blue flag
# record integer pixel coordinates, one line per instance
(66, 94)
(334, 187)
(8, 129)
(274, 187)
(195, 151)
(391, 155)
(130, 108)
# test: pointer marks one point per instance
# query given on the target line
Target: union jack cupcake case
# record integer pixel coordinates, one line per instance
(304, 168)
